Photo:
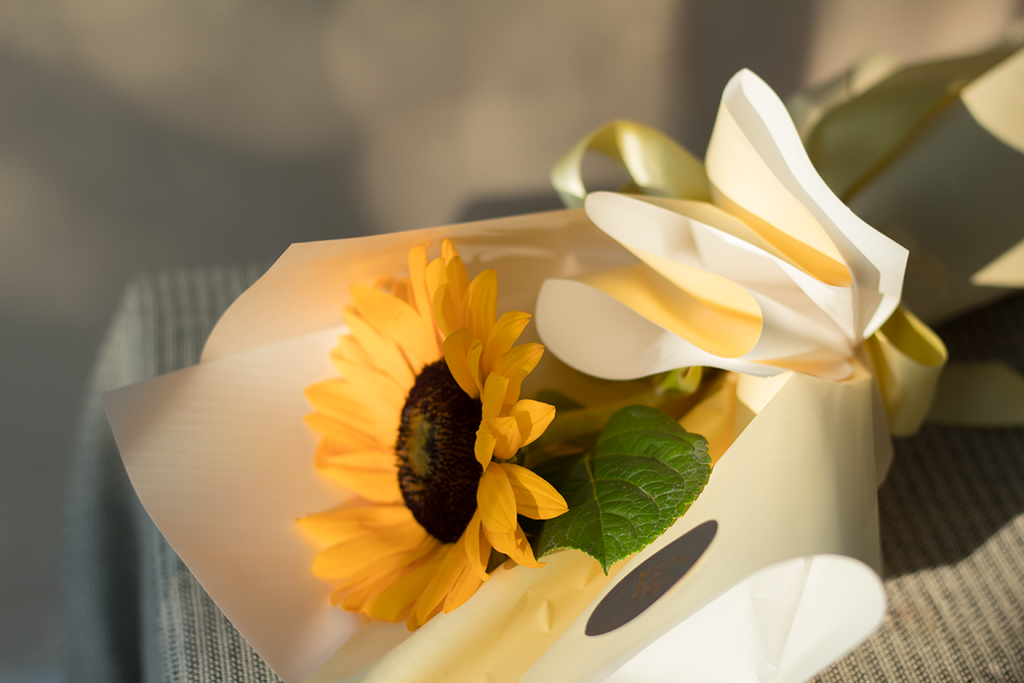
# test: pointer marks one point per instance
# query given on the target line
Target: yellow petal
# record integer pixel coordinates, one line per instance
(532, 418)
(335, 526)
(478, 550)
(495, 500)
(385, 353)
(367, 379)
(346, 557)
(353, 599)
(503, 335)
(442, 581)
(456, 356)
(436, 276)
(398, 321)
(348, 349)
(464, 588)
(387, 570)
(341, 432)
(535, 497)
(481, 304)
(515, 545)
(402, 291)
(394, 602)
(364, 473)
(495, 390)
(483, 448)
(458, 287)
(445, 315)
(507, 438)
(418, 281)
(448, 250)
(336, 399)
(473, 360)
(516, 365)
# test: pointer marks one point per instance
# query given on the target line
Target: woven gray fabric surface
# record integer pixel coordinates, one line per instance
(952, 530)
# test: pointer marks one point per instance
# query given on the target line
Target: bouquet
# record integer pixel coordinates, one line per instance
(381, 470)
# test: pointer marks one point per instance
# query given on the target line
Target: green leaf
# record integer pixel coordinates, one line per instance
(642, 475)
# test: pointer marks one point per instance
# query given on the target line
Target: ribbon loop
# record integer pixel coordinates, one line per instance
(656, 163)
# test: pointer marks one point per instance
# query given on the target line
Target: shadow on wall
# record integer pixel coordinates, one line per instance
(717, 39)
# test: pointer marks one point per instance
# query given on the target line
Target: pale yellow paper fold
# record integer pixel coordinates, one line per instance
(654, 161)
(931, 155)
(776, 274)
(907, 359)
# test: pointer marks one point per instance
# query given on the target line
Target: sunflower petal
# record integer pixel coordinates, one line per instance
(483, 448)
(495, 390)
(458, 287)
(385, 353)
(507, 438)
(478, 550)
(418, 281)
(448, 250)
(436, 276)
(402, 290)
(465, 587)
(398, 321)
(340, 432)
(344, 558)
(335, 526)
(496, 500)
(388, 569)
(338, 400)
(482, 303)
(395, 602)
(353, 599)
(348, 349)
(364, 473)
(515, 545)
(368, 380)
(532, 418)
(442, 581)
(456, 356)
(535, 497)
(516, 364)
(473, 360)
(502, 336)
(445, 315)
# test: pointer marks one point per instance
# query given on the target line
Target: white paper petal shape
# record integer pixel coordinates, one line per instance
(777, 274)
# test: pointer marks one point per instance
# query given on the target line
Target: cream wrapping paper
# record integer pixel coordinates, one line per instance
(932, 155)
(786, 582)
(222, 461)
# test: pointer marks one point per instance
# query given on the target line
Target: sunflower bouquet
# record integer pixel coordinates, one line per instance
(479, 497)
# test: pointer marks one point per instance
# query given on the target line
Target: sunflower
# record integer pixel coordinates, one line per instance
(422, 425)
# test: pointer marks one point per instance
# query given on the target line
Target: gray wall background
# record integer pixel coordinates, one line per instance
(172, 133)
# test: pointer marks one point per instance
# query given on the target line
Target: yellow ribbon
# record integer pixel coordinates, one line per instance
(908, 357)
(656, 163)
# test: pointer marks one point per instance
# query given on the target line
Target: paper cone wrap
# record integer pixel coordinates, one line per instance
(772, 572)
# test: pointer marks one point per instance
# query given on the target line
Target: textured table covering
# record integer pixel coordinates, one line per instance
(951, 516)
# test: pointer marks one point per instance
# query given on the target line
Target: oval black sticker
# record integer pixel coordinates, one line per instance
(642, 587)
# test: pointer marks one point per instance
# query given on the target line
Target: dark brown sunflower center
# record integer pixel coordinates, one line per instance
(437, 469)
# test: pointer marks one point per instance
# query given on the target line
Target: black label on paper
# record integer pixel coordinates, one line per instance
(642, 587)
